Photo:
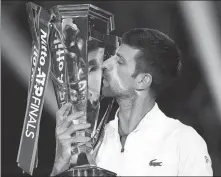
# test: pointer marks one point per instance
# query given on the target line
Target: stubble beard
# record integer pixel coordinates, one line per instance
(113, 91)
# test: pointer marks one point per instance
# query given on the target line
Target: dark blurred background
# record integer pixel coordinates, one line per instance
(189, 100)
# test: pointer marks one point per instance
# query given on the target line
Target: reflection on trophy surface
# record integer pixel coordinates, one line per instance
(95, 60)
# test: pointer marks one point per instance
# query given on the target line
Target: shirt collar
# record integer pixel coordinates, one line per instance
(152, 118)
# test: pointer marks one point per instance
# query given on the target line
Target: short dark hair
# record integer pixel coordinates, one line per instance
(159, 56)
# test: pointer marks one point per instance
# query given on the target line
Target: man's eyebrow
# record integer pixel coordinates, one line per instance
(119, 55)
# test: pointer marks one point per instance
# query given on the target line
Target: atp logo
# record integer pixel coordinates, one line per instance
(154, 163)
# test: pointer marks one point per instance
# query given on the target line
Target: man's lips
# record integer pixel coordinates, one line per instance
(105, 79)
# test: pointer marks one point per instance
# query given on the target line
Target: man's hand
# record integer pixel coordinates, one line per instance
(64, 129)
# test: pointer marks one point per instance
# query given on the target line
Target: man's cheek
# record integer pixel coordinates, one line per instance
(117, 85)
(118, 80)
(122, 82)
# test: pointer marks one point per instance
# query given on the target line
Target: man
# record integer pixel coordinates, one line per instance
(141, 140)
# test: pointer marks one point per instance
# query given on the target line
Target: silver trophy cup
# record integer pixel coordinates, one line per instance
(80, 40)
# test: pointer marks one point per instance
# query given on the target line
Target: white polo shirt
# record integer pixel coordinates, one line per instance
(159, 146)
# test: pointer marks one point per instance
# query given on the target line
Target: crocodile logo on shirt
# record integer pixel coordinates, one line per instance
(154, 163)
(207, 159)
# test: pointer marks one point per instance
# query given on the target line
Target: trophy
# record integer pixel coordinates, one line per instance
(70, 43)
(80, 40)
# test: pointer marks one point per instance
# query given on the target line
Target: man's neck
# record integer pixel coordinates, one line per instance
(132, 110)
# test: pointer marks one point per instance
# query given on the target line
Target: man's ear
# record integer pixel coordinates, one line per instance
(143, 81)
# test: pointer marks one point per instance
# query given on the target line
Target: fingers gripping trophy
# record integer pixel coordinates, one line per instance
(65, 37)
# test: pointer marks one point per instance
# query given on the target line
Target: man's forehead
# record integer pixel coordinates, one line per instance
(127, 50)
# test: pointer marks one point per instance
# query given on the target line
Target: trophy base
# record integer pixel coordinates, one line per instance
(87, 170)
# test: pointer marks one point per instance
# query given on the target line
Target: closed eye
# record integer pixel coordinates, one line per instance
(120, 59)
(120, 62)
(93, 68)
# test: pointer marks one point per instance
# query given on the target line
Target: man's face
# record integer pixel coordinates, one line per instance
(95, 61)
(118, 71)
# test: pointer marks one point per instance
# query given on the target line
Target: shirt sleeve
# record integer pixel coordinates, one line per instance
(194, 159)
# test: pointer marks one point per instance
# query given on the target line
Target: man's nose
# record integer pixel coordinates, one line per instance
(107, 64)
